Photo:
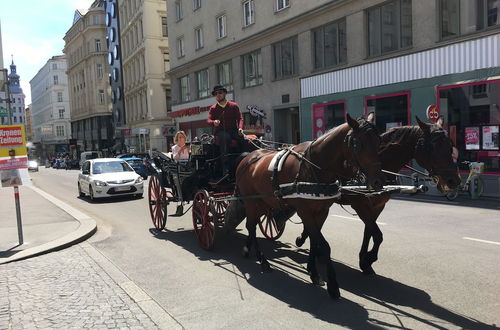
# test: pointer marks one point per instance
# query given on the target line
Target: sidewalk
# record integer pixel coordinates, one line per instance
(46, 226)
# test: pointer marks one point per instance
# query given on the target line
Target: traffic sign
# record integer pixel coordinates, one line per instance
(4, 112)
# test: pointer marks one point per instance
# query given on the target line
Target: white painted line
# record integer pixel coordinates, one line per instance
(355, 219)
(481, 240)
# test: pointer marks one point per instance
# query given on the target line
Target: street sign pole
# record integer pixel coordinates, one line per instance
(18, 215)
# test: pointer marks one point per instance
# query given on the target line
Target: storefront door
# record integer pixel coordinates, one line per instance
(327, 116)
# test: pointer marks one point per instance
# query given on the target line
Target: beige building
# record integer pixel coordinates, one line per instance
(145, 61)
(88, 80)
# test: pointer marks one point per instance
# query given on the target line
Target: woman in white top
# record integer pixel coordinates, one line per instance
(180, 151)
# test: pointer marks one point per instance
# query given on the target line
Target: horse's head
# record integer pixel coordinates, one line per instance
(362, 144)
(434, 153)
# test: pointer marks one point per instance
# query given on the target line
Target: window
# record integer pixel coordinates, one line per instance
(460, 17)
(285, 58)
(184, 88)
(95, 19)
(56, 80)
(59, 96)
(164, 27)
(330, 47)
(166, 61)
(221, 26)
(198, 35)
(225, 75)
(15, 119)
(327, 116)
(196, 4)
(178, 10)
(282, 4)
(390, 110)
(202, 81)
(61, 113)
(59, 130)
(180, 47)
(97, 45)
(54, 66)
(248, 13)
(252, 69)
(101, 96)
(389, 27)
(100, 72)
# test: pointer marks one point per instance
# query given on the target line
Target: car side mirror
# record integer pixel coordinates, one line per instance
(85, 172)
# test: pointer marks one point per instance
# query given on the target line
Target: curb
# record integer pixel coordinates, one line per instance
(87, 228)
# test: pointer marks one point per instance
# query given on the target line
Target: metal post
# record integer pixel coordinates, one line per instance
(18, 214)
(7, 94)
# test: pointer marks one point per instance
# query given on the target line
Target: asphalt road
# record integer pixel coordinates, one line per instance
(438, 267)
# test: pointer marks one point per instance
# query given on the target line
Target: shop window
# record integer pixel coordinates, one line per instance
(472, 118)
(461, 17)
(285, 58)
(390, 110)
(327, 116)
(330, 47)
(389, 27)
(225, 75)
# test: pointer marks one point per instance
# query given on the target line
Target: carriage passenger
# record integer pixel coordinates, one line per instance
(180, 151)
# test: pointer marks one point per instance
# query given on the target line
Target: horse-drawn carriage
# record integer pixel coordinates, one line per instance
(307, 184)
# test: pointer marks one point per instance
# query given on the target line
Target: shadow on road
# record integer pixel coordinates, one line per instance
(485, 203)
(290, 283)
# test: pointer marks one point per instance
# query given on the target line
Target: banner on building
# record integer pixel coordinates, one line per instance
(471, 138)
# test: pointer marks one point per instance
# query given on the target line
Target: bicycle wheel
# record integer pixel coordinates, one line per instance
(451, 195)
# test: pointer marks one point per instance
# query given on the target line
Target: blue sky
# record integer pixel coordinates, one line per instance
(32, 31)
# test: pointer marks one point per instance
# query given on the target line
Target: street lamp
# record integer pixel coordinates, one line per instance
(7, 94)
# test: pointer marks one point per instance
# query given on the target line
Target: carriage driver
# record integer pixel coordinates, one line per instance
(226, 118)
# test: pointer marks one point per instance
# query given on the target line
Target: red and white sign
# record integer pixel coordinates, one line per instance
(318, 120)
(11, 136)
(13, 163)
(432, 112)
(471, 138)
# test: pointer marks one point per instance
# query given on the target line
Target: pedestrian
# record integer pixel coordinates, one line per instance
(180, 151)
(227, 121)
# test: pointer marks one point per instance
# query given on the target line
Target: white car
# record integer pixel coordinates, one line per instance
(106, 177)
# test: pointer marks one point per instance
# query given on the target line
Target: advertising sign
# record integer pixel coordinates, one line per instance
(13, 153)
(471, 138)
(318, 121)
(490, 137)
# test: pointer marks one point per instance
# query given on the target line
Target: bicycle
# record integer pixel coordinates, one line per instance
(475, 170)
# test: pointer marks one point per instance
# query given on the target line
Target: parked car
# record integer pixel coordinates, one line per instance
(138, 166)
(33, 165)
(86, 155)
(144, 156)
(106, 177)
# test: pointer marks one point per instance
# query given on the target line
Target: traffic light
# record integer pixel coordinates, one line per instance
(12, 152)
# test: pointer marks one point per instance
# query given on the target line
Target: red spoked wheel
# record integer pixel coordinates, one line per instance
(218, 208)
(157, 196)
(269, 227)
(203, 224)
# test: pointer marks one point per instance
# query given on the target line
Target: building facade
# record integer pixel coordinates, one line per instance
(306, 64)
(145, 59)
(88, 78)
(17, 108)
(50, 108)
(28, 125)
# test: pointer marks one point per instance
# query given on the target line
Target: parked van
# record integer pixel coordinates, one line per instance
(86, 155)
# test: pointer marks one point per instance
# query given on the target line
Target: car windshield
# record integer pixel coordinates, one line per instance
(111, 167)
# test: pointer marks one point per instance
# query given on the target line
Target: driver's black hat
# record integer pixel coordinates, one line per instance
(218, 88)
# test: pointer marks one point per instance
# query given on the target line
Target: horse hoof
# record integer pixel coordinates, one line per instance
(334, 292)
(317, 281)
(266, 267)
(246, 252)
(299, 241)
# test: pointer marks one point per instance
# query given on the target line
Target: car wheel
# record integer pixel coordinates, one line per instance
(139, 195)
(80, 192)
(91, 194)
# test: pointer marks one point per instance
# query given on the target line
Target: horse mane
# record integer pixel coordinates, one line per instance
(401, 135)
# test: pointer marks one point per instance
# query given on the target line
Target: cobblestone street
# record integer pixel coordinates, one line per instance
(65, 289)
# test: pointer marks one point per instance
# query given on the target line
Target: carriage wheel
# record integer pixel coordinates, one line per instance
(269, 227)
(157, 196)
(219, 210)
(202, 220)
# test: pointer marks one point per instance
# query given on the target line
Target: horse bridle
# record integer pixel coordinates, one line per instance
(356, 145)
(424, 145)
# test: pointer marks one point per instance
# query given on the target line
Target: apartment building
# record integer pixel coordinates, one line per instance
(88, 78)
(145, 59)
(50, 108)
(17, 113)
(305, 64)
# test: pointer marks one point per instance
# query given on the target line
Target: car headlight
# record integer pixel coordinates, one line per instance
(33, 163)
(139, 179)
(100, 183)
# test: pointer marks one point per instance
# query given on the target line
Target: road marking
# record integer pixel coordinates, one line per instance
(355, 219)
(481, 240)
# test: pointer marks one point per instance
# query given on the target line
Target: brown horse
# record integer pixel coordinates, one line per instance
(431, 148)
(340, 152)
